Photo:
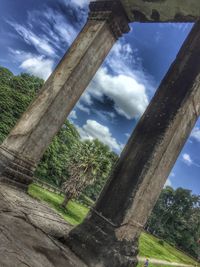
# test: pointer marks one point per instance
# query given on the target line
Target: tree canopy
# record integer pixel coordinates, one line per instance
(176, 218)
(88, 169)
(16, 92)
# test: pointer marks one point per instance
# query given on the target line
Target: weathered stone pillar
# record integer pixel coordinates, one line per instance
(26, 143)
(108, 236)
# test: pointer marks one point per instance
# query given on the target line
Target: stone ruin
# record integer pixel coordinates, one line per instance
(109, 235)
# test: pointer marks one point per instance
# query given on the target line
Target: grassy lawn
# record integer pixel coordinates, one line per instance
(140, 264)
(75, 213)
(149, 247)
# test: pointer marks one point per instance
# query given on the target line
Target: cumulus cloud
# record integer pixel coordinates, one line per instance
(129, 96)
(73, 115)
(50, 41)
(123, 59)
(121, 80)
(168, 183)
(83, 108)
(34, 64)
(80, 3)
(94, 130)
(116, 79)
(38, 66)
(188, 160)
(104, 115)
(196, 134)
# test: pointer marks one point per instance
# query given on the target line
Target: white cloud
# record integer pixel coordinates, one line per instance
(73, 115)
(122, 86)
(83, 108)
(41, 44)
(129, 96)
(196, 134)
(38, 66)
(127, 135)
(120, 59)
(172, 174)
(187, 159)
(55, 34)
(80, 3)
(121, 82)
(105, 115)
(94, 130)
(62, 30)
(123, 59)
(86, 98)
(168, 183)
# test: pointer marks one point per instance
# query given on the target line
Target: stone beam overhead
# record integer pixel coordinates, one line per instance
(162, 10)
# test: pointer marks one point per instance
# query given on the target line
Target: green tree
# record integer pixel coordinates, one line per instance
(52, 166)
(90, 162)
(16, 93)
(108, 160)
(176, 218)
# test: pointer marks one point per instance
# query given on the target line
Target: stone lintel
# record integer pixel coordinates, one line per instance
(113, 12)
(162, 10)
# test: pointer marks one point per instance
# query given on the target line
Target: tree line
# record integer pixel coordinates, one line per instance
(84, 166)
(176, 219)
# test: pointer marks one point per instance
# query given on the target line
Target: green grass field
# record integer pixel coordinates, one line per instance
(75, 212)
(149, 245)
(140, 264)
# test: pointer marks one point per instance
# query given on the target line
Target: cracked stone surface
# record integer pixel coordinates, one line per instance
(29, 233)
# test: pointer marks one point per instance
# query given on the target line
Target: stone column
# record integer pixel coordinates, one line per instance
(108, 236)
(26, 143)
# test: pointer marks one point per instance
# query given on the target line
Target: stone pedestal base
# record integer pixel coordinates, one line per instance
(96, 243)
(14, 170)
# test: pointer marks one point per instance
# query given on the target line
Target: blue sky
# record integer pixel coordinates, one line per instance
(34, 35)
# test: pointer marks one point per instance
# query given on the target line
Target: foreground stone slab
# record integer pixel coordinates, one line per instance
(29, 233)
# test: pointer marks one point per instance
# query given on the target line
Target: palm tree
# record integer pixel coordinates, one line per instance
(90, 161)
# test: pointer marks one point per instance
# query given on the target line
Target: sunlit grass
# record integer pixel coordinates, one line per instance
(150, 247)
(140, 264)
(75, 212)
